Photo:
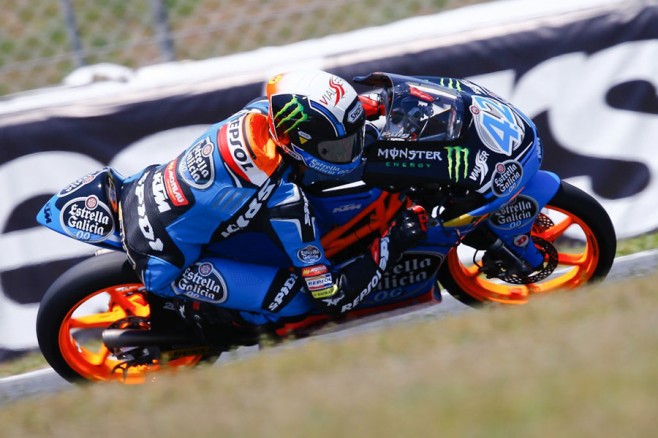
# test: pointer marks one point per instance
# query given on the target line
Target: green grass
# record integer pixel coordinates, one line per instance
(579, 364)
(33, 361)
(637, 244)
(28, 362)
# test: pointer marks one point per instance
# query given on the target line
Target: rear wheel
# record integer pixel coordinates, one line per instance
(573, 223)
(95, 294)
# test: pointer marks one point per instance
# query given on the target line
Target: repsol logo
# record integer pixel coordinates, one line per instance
(383, 262)
(244, 219)
(236, 145)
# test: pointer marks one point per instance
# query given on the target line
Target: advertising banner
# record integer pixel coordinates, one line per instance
(589, 81)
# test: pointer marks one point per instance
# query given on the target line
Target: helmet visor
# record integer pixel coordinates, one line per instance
(342, 150)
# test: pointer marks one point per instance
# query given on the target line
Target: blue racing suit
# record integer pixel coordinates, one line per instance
(231, 180)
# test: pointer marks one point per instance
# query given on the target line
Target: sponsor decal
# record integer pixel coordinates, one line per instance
(515, 214)
(325, 168)
(345, 208)
(160, 193)
(173, 187)
(307, 213)
(47, 213)
(506, 177)
(318, 281)
(292, 114)
(293, 152)
(450, 83)
(414, 158)
(311, 271)
(458, 165)
(411, 165)
(234, 150)
(320, 286)
(143, 222)
(80, 182)
(250, 211)
(411, 269)
(499, 128)
(87, 219)
(355, 113)
(309, 254)
(383, 262)
(521, 240)
(408, 154)
(481, 168)
(335, 92)
(331, 302)
(396, 136)
(197, 166)
(201, 281)
(283, 292)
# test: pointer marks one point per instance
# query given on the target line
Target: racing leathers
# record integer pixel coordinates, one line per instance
(234, 180)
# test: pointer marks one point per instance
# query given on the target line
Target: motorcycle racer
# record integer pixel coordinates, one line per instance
(242, 175)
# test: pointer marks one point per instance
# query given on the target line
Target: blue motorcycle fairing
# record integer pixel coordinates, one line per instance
(224, 282)
(87, 209)
(515, 219)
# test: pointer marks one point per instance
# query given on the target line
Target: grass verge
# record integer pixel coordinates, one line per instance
(570, 364)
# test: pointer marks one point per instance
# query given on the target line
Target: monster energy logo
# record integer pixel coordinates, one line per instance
(296, 115)
(457, 162)
(451, 83)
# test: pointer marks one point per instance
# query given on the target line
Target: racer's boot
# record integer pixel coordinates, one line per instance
(220, 326)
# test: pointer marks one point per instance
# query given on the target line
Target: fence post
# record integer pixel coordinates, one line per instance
(74, 32)
(163, 33)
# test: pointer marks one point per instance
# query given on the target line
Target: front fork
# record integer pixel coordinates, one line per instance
(513, 221)
(502, 227)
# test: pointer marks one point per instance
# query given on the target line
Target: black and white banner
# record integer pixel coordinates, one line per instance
(588, 80)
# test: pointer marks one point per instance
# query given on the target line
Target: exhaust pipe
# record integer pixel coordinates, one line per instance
(118, 338)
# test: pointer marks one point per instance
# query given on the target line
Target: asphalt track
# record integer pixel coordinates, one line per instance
(47, 381)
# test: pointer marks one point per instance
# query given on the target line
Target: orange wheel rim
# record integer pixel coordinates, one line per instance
(577, 262)
(79, 335)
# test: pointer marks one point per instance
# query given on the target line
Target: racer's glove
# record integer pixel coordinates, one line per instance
(407, 231)
(361, 275)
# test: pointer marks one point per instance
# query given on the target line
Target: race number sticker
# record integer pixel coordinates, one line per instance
(499, 128)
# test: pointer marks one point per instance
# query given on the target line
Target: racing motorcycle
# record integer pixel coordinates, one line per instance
(503, 231)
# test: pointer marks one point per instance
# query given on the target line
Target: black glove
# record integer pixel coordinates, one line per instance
(408, 229)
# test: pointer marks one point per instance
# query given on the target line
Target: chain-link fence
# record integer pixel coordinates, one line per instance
(41, 41)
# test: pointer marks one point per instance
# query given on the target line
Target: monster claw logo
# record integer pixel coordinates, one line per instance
(296, 115)
(457, 162)
(450, 83)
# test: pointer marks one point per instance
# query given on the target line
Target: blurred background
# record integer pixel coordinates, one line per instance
(42, 41)
(119, 83)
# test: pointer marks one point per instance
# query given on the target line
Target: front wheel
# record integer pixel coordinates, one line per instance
(574, 223)
(85, 300)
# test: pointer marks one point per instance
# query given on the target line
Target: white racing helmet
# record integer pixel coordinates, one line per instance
(317, 119)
